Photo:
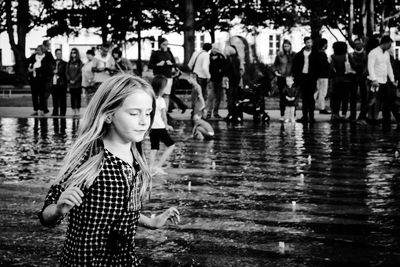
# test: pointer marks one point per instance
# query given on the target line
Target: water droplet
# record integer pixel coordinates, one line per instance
(189, 186)
(396, 154)
(301, 176)
(213, 165)
(281, 244)
(309, 159)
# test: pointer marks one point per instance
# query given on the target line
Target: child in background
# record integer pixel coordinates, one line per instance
(202, 129)
(290, 94)
(160, 127)
(105, 178)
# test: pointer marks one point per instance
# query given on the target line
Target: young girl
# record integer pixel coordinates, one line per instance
(74, 78)
(160, 127)
(105, 178)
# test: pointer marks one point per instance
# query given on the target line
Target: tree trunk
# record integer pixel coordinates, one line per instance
(104, 28)
(371, 18)
(188, 33)
(364, 18)
(22, 29)
(139, 40)
(351, 20)
(212, 35)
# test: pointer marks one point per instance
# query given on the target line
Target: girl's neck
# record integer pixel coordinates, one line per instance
(119, 149)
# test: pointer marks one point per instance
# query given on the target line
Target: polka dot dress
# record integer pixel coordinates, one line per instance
(101, 231)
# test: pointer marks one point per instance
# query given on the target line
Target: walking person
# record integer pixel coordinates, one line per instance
(173, 97)
(379, 69)
(40, 68)
(105, 179)
(232, 77)
(283, 68)
(199, 63)
(74, 78)
(360, 59)
(305, 71)
(215, 91)
(88, 76)
(160, 128)
(343, 83)
(323, 78)
(163, 62)
(59, 88)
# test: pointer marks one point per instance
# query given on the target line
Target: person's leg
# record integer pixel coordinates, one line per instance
(291, 111)
(362, 85)
(345, 93)
(281, 83)
(385, 104)
(42, 98)
(323, 92)
(353, 100)
(63, 100)
(230, 101)
(210, 99)
(155, 146)
(78, 99)
(182, 106)
(167, 91)
(310, 101)
(317, 95)
(335, 98)
(73, 100)
(56, 95)
(166, 139)
(35, 96)
(218, 90)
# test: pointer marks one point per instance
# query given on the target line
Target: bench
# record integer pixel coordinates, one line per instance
(8, 90)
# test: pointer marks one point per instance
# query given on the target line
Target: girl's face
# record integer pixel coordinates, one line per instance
(132, 120)
(287, 47)
(89, 57)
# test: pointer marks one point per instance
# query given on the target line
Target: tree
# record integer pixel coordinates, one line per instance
(17, 20)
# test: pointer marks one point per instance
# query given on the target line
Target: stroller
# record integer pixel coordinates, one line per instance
(252, 99)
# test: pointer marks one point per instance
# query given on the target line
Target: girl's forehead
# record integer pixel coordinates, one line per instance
(138, 99)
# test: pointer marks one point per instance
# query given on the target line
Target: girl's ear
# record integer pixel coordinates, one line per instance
(108, 119)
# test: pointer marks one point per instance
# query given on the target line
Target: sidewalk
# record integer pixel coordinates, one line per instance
(25, 112)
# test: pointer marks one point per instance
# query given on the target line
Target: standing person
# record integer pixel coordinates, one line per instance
(105, 179)
(59, 88)
(199, 63)
(232, 77)
(121, 64)
(40, 68)
(160, 128)
(379, 69)
(290, 93)
(344, 83)
(88, 76)
(49, 80)
(163, 62)
(283, 67)
(323, 78)
(74, 78)
(102, 65)
(305, 71)
(214, 94)
(360, 59)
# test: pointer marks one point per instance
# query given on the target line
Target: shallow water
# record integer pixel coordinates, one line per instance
(240, 210)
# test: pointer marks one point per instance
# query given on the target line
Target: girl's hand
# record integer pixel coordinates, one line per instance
(70, 198)
(171, 214)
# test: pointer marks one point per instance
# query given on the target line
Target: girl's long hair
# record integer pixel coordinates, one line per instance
(78, 56)
(88, 147)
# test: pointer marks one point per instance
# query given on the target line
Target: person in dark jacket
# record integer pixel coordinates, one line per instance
(59, 88)
(283, 68)
(217, 63)
(39, 68)
(232, 76)
(163, 62)
(49, 79)
(323, 77)
(74, 78)
(360, 60)
(344, 83)
(305, 71)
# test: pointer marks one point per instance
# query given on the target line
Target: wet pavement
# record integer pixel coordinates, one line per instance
(274, 195)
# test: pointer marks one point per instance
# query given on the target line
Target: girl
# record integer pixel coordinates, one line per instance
(105, 178)
(159, 128)
(202, 129)
(74, 77)
(290, 94)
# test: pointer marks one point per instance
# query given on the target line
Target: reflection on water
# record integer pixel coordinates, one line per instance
(255, 198)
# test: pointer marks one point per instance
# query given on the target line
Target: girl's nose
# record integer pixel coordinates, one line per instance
(142, 119)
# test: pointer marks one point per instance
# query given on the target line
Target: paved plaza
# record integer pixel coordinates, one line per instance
(272, 195)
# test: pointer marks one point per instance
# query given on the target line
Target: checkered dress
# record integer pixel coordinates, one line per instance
(101, 231)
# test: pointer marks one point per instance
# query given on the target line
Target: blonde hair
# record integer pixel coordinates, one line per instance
(84, 160)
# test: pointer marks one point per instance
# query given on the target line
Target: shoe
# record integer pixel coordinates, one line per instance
(361, 122)
(303, 120)
(282, 118)
(40, 113)
(286, 120)
(312, 121)
(34, 113)
(217, 116)
(184, 110)
(325, 112)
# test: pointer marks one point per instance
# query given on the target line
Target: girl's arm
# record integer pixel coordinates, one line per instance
(70, 198)
(165, 120)
(159, 221)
